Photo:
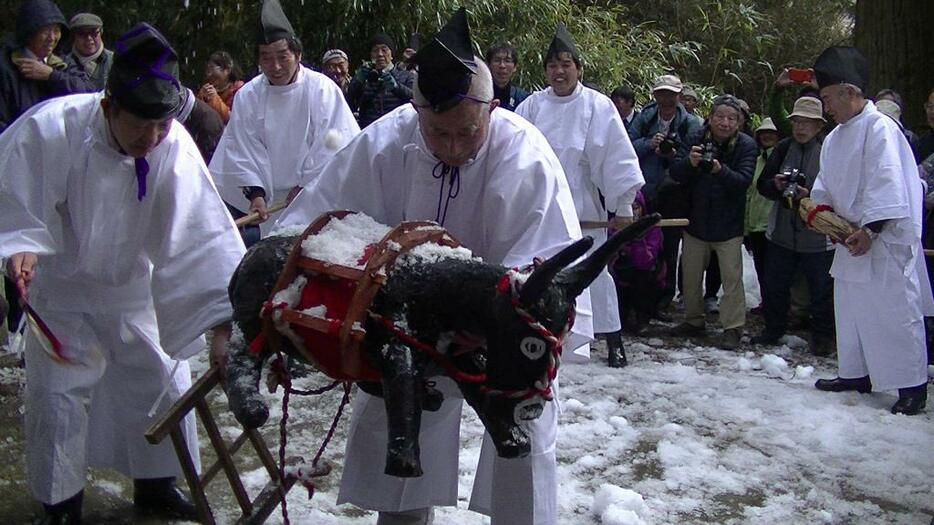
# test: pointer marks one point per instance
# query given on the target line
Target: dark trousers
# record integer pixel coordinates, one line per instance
(780, 266)
(712, 280)
(757, 244)
(670, 244)
(12, 297)
(638, 293)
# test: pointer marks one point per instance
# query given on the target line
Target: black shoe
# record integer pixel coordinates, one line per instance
(616, 354)
(767, 338)
(687, 329)
(662, 316)
(911, 400)
(732, 338)
(67, 512)
(838, 384)
(160, 498)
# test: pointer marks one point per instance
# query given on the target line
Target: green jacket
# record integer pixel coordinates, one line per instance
(757, 206)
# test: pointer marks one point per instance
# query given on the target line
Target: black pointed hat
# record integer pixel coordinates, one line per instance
(144, 75)
(562, 42)
(446, 64)
(273, 24)
(842, 65)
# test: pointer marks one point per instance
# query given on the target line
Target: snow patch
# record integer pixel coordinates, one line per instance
(344, 241)
(618, 506)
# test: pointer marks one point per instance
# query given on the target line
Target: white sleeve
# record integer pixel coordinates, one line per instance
(334, 126)
(614, 165)
(241, 159)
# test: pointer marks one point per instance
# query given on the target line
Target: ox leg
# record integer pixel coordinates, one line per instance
(402, 393)
(243, 395)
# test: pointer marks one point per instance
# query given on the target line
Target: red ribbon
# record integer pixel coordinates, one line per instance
(813, 213)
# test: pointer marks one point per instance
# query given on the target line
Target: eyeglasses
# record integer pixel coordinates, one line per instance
(502, 60)
(87, 33)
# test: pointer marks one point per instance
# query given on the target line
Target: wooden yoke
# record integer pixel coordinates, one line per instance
(347, 333)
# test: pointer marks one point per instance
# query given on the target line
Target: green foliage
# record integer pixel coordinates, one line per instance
(713, 45)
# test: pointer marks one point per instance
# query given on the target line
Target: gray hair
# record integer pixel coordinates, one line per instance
(481, 85)
(856, 90)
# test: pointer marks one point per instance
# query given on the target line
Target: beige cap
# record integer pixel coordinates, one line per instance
(668, 83)
(689, 92)
(889, 108)
(767, 125)
(808, 107)
(85, 20)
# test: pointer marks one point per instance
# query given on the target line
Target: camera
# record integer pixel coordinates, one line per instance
(793, 180)
(709, 152)
(372, 75)
(669, 144)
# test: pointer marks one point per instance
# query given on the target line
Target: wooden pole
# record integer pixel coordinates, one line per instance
(664, 223)
(253, 217)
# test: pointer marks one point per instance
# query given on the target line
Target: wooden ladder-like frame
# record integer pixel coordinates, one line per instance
(252, 512)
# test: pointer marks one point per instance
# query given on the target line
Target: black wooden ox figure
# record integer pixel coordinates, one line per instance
(518, 317)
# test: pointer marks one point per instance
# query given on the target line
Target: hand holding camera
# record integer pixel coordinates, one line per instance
(704, 157)
(363, 72)
(668, 144)
(387, 81)
(793, 185)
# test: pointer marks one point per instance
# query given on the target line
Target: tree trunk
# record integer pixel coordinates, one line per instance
(895, 35)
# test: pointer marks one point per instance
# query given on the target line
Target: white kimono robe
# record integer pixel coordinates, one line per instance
(867, 173)
(124, 284)
(513, 204)
(597, 156)
(278, 137)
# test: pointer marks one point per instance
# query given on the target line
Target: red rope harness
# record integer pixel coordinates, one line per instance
(279, 368)
(814, 211)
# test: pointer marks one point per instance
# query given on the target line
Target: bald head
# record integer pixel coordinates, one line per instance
(481, 86)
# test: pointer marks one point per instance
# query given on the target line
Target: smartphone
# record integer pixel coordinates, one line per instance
(800, 76)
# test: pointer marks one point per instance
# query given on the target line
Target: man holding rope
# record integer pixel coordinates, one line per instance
(490, 178)
(869, 178)
(287, 124)
(136, 249)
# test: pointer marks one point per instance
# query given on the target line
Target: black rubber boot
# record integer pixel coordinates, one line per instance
(67, 512)
(161, 498)
(616, 354)
(911, 400)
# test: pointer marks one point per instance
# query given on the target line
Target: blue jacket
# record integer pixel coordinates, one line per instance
(370, 97)
(717, 202)
(643, 127)
(513, 98)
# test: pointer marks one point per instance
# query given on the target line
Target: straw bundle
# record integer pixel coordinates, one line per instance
(825, 221)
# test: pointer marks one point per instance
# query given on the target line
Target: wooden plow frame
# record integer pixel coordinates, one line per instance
(254, 511)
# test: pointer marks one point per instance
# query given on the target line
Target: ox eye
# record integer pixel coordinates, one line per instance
(528, 410)
(533, 347)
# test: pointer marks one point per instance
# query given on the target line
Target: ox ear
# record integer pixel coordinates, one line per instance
(541, 278)
(577, 278)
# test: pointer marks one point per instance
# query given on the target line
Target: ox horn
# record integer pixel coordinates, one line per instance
(578, 277)
(541, 278)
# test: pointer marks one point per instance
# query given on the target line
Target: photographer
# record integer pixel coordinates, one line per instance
(716, 165)
(789, 175)
(656, 133)
(379, 87)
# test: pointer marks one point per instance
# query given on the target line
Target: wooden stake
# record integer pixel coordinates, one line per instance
(664, 223)
(253, 217)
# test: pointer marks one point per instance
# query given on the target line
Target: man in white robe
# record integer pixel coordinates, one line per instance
(490, 178)
(287, 125)
(114, 229)
(587, 134)
(868, 176)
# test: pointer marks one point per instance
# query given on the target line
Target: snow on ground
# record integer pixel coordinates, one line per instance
(687, 433)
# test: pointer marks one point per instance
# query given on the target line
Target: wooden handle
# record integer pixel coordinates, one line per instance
(929, 253)
(253, 217)
(664, 223)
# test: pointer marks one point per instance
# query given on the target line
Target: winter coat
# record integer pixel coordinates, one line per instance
(655, 168)
(104, 63)
(510, 97)
(717, 202)
(205, 127)
(786, 228)
(370, 98)
(924, 143)
(757, 206)
(223, 101)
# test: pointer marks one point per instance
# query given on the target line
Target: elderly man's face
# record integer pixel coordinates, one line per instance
(804, 129)
(563, 74)
(689, 103)
(337, 69)
(44, 40)
(278, 62)
(381, 56)
(456, 135)
(839, 102)
(724, 122)
(503, 67)
(136, 136)
(767, 139)
(667, 100)
(88, 40)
